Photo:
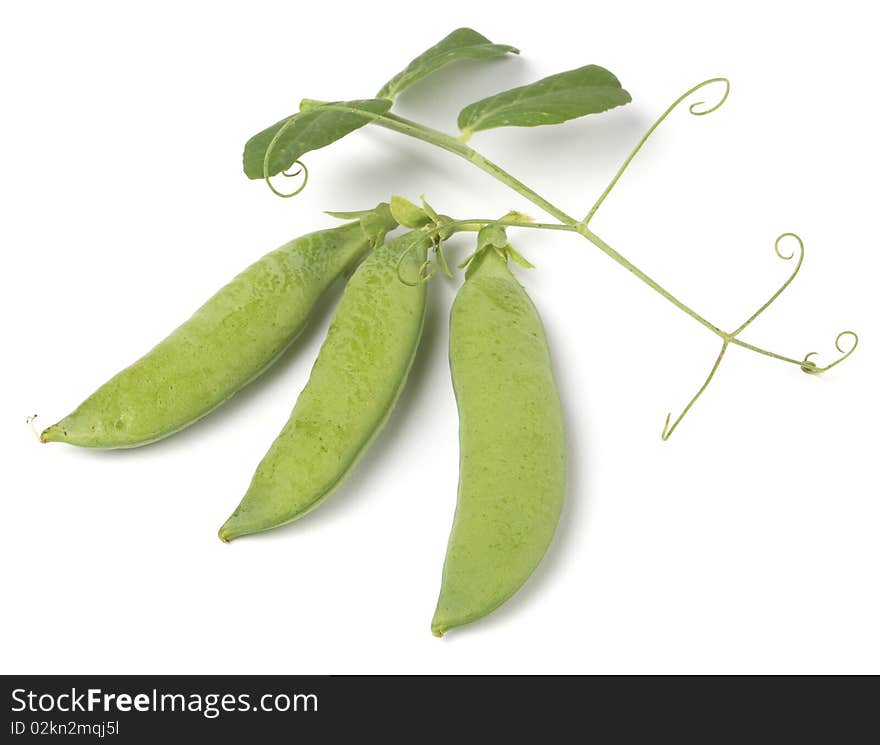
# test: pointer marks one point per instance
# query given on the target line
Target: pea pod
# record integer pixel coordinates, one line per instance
(354, 384)
(512, 466)
(229, 341)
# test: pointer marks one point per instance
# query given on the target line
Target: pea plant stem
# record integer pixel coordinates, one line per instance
(765, 352)
(667, 430)
(459, 147)
(567, 222)
(694, 109)
(630, 267)
(456, 146)
(473, 225)
(453, 145)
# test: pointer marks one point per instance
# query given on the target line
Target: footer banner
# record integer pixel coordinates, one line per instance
(267, 709)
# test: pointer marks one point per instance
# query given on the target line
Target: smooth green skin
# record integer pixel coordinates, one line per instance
(512, 445)
(354, 384)
(228, 342)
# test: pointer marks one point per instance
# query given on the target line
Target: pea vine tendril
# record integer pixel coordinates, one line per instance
(693, 108)
(284, 172)
(808, 366)
(302, 170)
(438, 232)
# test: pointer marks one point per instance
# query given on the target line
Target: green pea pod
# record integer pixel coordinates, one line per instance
(228, 342)
(512, 444)
(354, 384)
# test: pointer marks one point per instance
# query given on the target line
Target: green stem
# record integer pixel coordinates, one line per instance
(667, 430)
(765, 352)
(693, 109)
(474, 224)
(453, 145)
(787, 282)
(458, 147)
(630, 267)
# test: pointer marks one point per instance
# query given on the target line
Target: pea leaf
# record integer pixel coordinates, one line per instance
(375, 222)
(463, 43)
(517, 258)
(408, 214)
(308, 130)
(430, 211)
(517, 217)
(352, 215)
(568, 95)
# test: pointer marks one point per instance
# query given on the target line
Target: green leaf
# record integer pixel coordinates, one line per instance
(463, 43)
(375, 222)
(354, 215)
(517, 216)
(430, 211)
(568, 95)
(308, 130)
(517, 258)
(408, 214)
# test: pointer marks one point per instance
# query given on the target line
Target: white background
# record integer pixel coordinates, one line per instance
(750, 542)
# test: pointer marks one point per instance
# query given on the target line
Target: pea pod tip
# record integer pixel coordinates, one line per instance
(53, 433)
(232, 529)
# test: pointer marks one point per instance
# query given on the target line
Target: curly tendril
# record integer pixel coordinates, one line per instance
(791, 255)
(785, 284)
(427, 268)
(693, 109)
(808, 366)
(267, 156)
(305, 179)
